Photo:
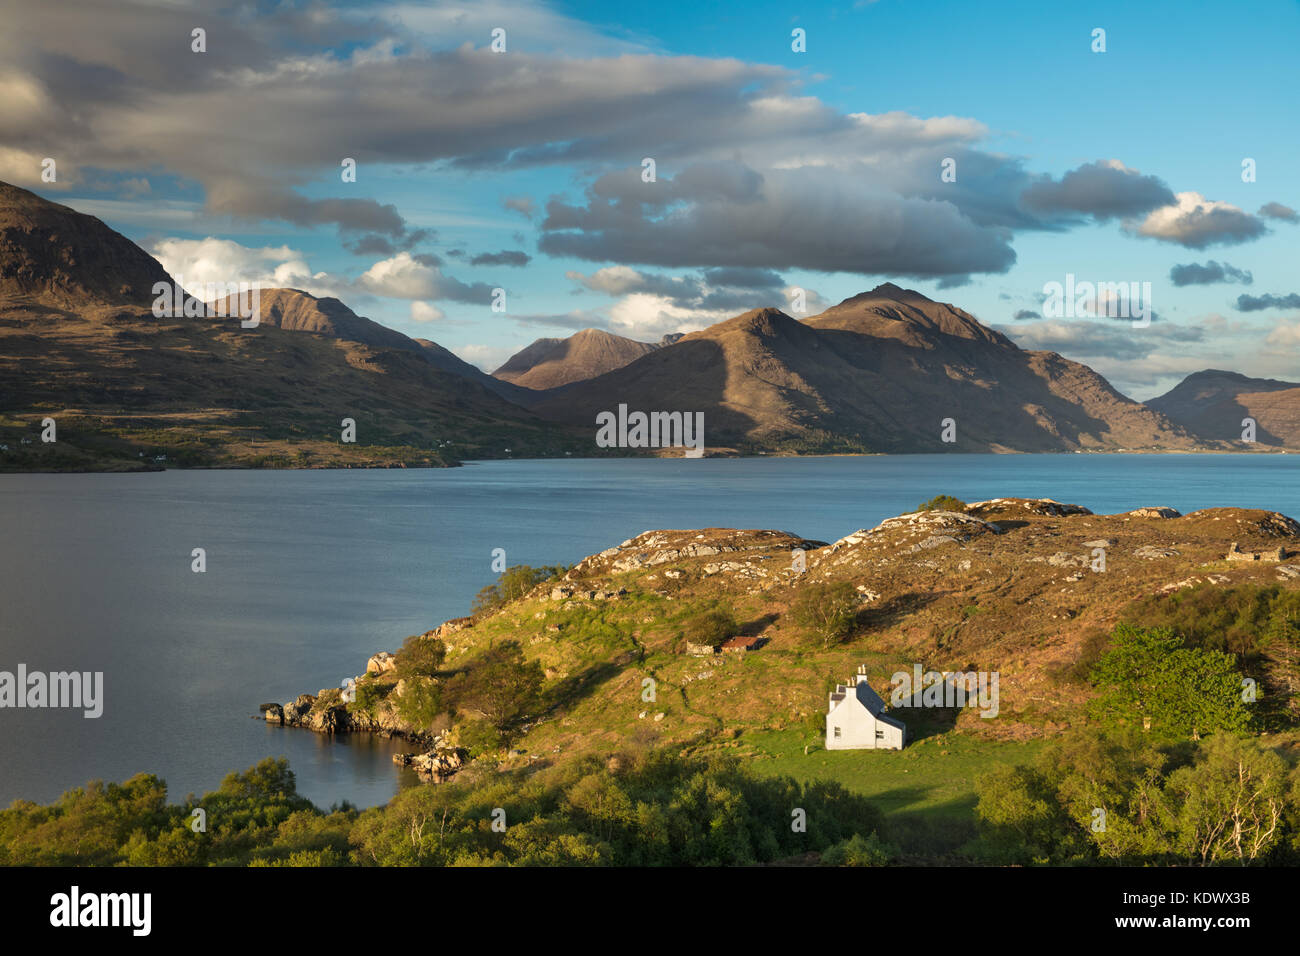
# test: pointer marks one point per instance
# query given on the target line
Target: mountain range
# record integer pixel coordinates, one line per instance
(888, 370)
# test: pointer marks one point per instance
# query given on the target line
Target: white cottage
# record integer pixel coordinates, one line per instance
(856, 719)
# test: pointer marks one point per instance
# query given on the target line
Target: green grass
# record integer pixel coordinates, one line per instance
(927, 791)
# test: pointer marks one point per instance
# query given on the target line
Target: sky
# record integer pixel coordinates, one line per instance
(975, 152)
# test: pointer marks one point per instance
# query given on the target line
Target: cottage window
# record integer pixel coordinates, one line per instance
(837, 731)
(880, 735)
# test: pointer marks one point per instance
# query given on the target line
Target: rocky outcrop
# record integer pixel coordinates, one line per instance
(1157, 512)
(1037, 506)
(652, 548)
(437, 764)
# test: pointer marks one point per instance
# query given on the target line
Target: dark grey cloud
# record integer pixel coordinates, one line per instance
(714, 290)
(1026, 314)
(738, 278)
(507, 257)
(1085, 339)
(1275, 210)
(1257, 303)
(1103, 190)
(373, 244)
(1211, 272)
(730, 215)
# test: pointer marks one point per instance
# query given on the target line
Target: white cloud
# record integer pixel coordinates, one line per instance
(1197, 222)
(401, 277)
(223, 260)
(407, 276)
(1286, 335)
(425, 312)
(648, 317)
(487, 357)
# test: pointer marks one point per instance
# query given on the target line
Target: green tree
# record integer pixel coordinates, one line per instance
(501, 684)
(420, 656)
(829, 611)
(1232, 803)
(943, 503)
(1148, 676)
(710, 627)
(513, 584)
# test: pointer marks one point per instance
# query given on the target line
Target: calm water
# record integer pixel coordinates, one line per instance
(309, 573)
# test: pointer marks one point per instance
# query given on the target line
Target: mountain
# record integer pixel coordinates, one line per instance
(57, 256)
(550, 363)
(879, 372)
(1212, 404)
(79, 343)
(296, 311)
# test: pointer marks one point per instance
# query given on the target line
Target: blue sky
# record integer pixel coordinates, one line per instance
(775, 169)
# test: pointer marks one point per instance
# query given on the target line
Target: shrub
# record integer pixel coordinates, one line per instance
(368, 694)
(500, 684)
(420, 703)
(420, 656)
(479, 737)
(829, 612)
(943, 503)
(859, 851)
(711, 627)
(513, 584)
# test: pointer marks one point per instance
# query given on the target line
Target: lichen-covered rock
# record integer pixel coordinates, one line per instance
(1151, 552)
(1038, 506)
(1156, 512)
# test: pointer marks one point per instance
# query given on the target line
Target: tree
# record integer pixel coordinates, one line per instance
(421, 656)
(711, 627)
(500, 684)
(943, 503)
(1149, 677)
(1231, 803)
(828, 611)
(514, 583)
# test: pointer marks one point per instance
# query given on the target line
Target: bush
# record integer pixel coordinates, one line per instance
(501, 684)
(828, 611)
(513, 584)
(420, 703)
(420, 656)
(480, 738)
(943, 503)
(368, 694)
(711, 627)
(859, 851)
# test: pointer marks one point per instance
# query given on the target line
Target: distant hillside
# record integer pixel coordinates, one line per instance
(79, 343)
(878, 372)
(1213, 403)
(57, 256)
(550, 363)
(296, 311)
